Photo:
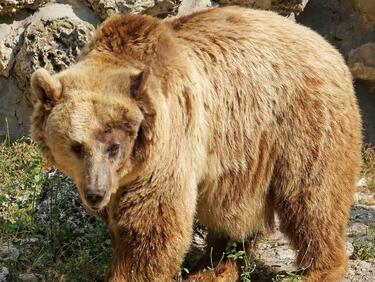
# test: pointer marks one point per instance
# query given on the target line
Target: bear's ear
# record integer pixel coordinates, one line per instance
(138, 83)
(47, 89)
(139, 90)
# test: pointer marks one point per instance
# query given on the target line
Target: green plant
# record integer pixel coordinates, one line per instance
(21, 178)
(237, 252)
(365, 248)
(50, 249)
(288, 276)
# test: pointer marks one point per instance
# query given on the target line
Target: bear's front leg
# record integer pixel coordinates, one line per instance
(153, 232)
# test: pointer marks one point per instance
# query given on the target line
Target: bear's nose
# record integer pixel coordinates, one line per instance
(94, 197)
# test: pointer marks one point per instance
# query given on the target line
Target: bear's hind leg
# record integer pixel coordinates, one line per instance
(315, 220)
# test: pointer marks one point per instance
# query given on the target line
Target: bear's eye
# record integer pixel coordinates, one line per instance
(77, 149)
(113, 150)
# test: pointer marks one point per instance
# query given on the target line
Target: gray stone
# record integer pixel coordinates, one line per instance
(356, 230)
(105, 8)
(53, 44)
(12, 6)
(280, 258)
(189, 6)
(259, 4)
(162, 9)
(29, 277)
(362, 214)
(360, 271)
(73, 9)
(15, 110)
(8, 252)
(4, 272)
(349, 249)
(288, 8)
(362, 182)
(362, 62)
(10, 35)
(364, 198)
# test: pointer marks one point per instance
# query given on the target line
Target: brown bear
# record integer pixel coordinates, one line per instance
(229, 115)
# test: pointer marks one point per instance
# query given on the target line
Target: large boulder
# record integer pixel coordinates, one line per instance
(53, 44)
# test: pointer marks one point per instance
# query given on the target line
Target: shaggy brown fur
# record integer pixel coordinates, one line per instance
(227, 114)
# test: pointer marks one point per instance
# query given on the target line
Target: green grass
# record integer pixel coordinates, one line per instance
(21, 178)
(50, 249)
(365, 249)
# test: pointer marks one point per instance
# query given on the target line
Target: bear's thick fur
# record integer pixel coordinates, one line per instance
(227, 114)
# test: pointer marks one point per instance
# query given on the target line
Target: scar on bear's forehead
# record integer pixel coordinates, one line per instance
(116, 131)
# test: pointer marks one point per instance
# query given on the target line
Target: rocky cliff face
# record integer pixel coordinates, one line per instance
(50, 34)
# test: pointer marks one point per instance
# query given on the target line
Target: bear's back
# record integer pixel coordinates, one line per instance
(271, 84)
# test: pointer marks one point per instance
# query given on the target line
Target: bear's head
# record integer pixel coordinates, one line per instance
(91, 122)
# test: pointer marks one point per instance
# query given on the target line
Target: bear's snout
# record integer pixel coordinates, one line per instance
(95, 197)
(97, 181)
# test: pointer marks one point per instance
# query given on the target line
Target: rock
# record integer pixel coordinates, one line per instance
(349, 249)
(362, 214)
(356, 230)
(29, 277)
(53, 44)
(73, 9)
(161, 9)
(275, 252)
(362, 182)
(259, 4)
(4, 272)
(189, 6)
(362, 62)
(280, 258)
(288, 8)
(9, 46)
(364, 198)
(8, 252)
(105, 8)
(360, 271)
(367, 7)
(12, 6)
(14, 110)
